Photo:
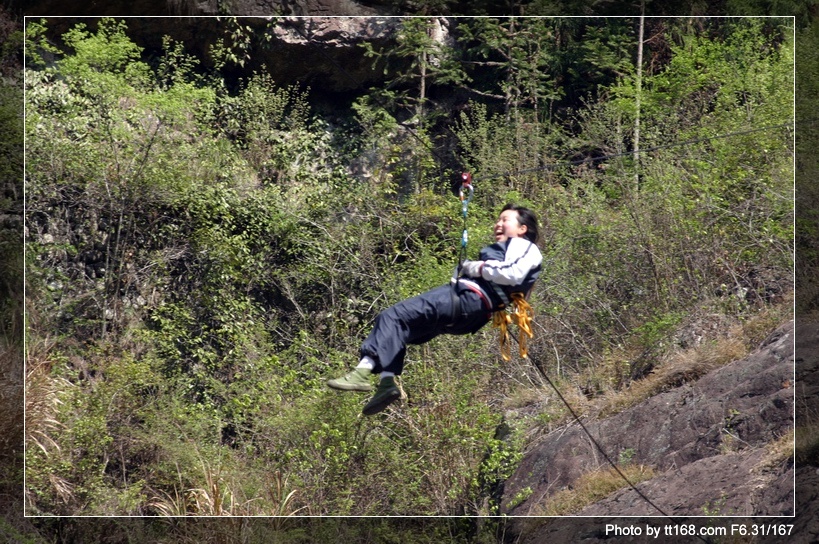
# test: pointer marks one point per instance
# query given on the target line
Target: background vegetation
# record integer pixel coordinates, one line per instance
(203, 252)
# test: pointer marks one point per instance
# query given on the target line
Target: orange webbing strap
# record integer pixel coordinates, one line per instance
(521, 315)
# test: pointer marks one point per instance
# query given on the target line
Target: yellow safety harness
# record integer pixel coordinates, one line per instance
(521, 314)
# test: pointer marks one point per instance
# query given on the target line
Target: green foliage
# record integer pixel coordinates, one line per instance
(608, 48)
(175, 66)
(109, 50)
(696, 220)
(37, 44)
(11, 167)
(656, 329)
(625, 457)
(202, 256)
(493, 147)
(418, 62)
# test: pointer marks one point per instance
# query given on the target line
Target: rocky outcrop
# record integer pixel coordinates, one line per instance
(323, 53)
(208, 7)
(767, 489)
(310, 7)
(731, 484)
(328, 49)
(807, 371)
(704, 439)
(807, 414)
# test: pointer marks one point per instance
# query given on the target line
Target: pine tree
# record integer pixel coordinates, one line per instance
(420, 59)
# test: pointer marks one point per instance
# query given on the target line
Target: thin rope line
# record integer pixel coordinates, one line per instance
(600, 448)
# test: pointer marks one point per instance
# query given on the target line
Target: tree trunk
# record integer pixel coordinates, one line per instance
(638, 93)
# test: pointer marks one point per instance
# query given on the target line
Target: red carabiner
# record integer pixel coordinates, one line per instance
(466, 183)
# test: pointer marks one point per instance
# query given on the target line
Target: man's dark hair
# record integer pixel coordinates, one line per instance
(526, 217)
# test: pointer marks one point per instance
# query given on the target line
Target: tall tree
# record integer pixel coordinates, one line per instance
(638, 82)
(515, 60)
(420, 59)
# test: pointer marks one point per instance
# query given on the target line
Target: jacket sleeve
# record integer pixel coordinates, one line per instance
(522, 256)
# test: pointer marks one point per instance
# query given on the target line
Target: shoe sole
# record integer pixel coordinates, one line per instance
(348, 387)
(373, 407)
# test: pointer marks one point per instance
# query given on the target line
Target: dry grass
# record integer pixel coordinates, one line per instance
(170, 505)
(282, 497)
(523, 396)
(674, 370)
(42, 399)
(214, 498)
(689, 365)
(807, 444)
(777, 452)
(680, 368)
(541, 411)
(591, 488)
(218, 497)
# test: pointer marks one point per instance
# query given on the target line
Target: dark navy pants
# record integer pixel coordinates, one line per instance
(418, 320)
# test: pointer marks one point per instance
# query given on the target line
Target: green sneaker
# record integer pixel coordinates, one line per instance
(357, 379)
(386, 394)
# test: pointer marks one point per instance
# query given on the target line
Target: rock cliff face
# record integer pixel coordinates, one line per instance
(209, 7)
(807, 413)
(705, 439)
(327, 50)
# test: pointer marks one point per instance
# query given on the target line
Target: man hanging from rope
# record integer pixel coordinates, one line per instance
(504, 274)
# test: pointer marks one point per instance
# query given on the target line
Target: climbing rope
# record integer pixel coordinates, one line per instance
(599, 448)
(521, 315)
(465, 192)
